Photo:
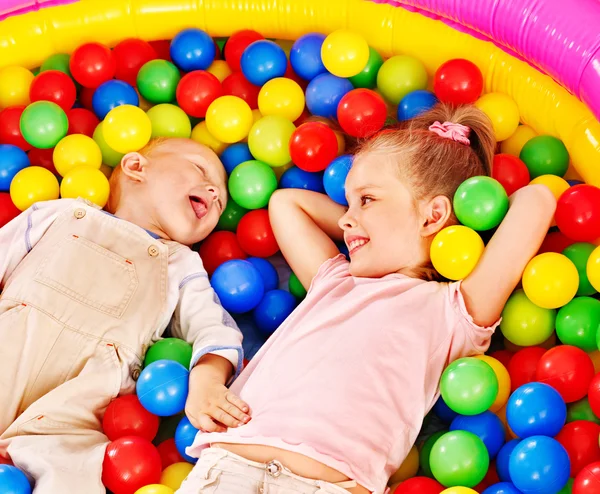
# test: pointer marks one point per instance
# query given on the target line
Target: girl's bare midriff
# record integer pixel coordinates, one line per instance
(297, 463)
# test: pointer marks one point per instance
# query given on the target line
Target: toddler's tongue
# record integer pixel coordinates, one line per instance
(199, 207)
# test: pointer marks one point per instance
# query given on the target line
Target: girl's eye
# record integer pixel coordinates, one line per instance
(365, 200)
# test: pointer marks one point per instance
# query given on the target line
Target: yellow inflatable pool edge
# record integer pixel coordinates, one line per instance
(543, 104)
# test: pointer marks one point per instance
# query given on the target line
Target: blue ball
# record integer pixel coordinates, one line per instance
(262, 61)
(324, 93)
(267, 272)
(239, 285)
(111, 94)
(234, 155)
(443, 411)
(536, 409)
(343, 248)
(503, 458)
(162, 387)
(305, 56)
(415, 103)
(502, 488)
(334, 179)
(13, 481)
(574, 182)
(273, 309)
(296, 178)
(486, 426)
(193, 49)
(184, 437)
(539, 465)
(253, 338)
(12, 160)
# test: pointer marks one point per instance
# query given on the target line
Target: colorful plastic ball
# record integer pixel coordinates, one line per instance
(361, 112)
(157, 81)
(514, 144)
(313, 146)
(54, 86)
(556, 184)
(130, 463)
(443, 411)
(110, 157)
(550, 280)
(580, 439)
(469, 386)
(8, 211)
(567, 369)
(503, 458)
(579, 254)
(111, 94)
(85, 182)
(273, 309)
(344, 53)
(503, 381)
(593, 268)
(415, 103)
(480, 203)
(324, 93)
(169, 121)
(131, 54)
(269, 140)
(218, 248)
(588, 480)
(555, 241)
(577, 323)
(578, 213)
(458, 82)
(262, 61)
(239, 286)
(486, 426)
(192, 49)
(92, 64)
(524, 323)
(582, 410)
(174, 475)
(539, 465)
(367, 77)
(237, 85)
(419, 485)
(12, 160)
(455, 251)
(43, 158)
(459, 458)
(234, 155)
(334, 179)
(235, 46)
(255, 234)
(155, 489)
(282, 97)
(10, 128)
(305, 56)
(408, 468)
(229, 119)
(184, 437)
(13, 481)
(43, 124)
(545, 155)
(168, 453)
(76, 150)
(511, 172)
(163, 387)
(502, 488)
(523, 365)
(126, 128)
(220, 70)
(295, 287)
(169, 349)
(502, 112)
(196, 91)
(400, 75)
(594, 395)
(15, 83)
(252, 183)
(459, 490)
(125, 416)
(201, 134)
(296, 178)
(33, 184)
(82, 121)
(59, 61)
(267, 272)
(425, 453)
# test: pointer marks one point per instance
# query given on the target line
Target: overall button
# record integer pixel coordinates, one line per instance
(153, 250)
(79, 213)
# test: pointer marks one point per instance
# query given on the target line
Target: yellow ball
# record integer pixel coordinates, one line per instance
(169, 121)
(547, 344)
(280, 170)
(87, 182)
(502, 111)
(201, 134)
(344, 53)
(155, 489)
(593, 268)
(408, 469)
(286, 45)
(503, 381)
(14, 86)
(515, 142)
(455, 251)
(550, 280)
(110, 157)
(458, 490)
(126, 128)
(501, 414)
(220, 69)
(76, 150)
(33, 184)
(269, 140)
(175, 474)
(229, 119)
(556, 184)
(282, 97)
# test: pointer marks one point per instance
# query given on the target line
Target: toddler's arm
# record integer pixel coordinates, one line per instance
(304, 223)
(516, 241)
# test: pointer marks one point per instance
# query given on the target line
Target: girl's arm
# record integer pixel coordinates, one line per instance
(304, 224)
(516, 241)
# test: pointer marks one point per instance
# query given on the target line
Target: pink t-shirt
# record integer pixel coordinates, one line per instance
(349, 376)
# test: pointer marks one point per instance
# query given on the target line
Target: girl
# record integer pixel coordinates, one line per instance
(339, 392)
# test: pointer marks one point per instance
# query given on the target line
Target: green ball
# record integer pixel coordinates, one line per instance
(221, 44)
(231, 216)
(459, 458)
(425, 454)
(367, 77)
(579, 253)
(568, 488)
(167, 427)
(110, 157)
(578, 322)
(44, 124)
(545, 155)
(400, 75)
(524, 323)
(480, 203)
(60, 62)
(170, 349)
(581, 410)
(252, 183)
(169, 121)
(269, 140)
(296, 288)
(157, 81)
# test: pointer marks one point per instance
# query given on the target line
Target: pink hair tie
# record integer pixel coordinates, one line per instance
(449, 130)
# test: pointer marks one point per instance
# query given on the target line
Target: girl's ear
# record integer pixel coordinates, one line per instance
(435, 215)
(134, 165)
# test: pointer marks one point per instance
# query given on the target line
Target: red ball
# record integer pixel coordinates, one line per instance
(523, 365)
(458, 82)
(419, 485)
(503, 356)
(82, 121)
(8, 210)
(130, 55)
(10, 127)
(555, 242)
(92, 64)
(578, 213)
(168, 453)
(43, 158)
(255, 235)
(580, 439)
(55, 86)
(196, 91)
(567, 369)
(125, 416)
(130, 463)
(491, 478)
(162, 47)
(219, 247)
(313, 146)
(594, 395)
(361, 112)
(86, 96)
(510, 171)
(588, 480)
(236, 45)
(236, 84)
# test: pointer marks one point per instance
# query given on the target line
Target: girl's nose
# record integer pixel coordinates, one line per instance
(347, 221)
